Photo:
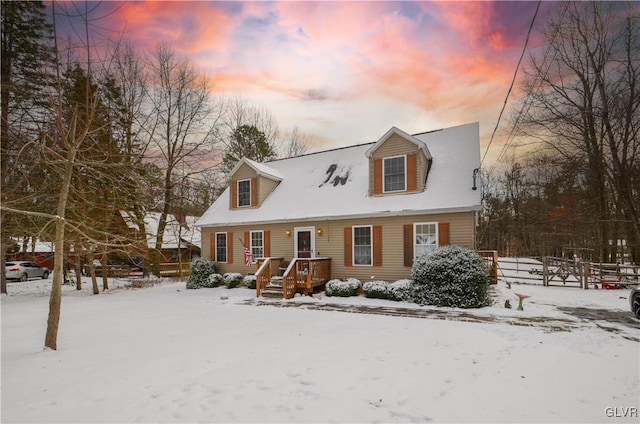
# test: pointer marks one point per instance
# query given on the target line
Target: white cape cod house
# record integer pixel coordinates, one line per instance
(364, 211)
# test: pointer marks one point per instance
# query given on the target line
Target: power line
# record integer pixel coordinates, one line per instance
(524, 49)
(527, 104)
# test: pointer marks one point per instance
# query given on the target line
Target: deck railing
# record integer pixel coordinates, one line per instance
(289, 280)
(490, 258)
(267, 268)
(305, 274)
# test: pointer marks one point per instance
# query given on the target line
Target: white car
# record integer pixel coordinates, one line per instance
(24, 270)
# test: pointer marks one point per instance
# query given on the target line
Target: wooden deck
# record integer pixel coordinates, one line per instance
(300, 275)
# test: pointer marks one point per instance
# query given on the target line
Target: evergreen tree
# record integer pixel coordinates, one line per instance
(25, 61)
(246, 141)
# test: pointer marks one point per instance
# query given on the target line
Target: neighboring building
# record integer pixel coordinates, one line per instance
(31, 249)
(180, 237)
(371, 208)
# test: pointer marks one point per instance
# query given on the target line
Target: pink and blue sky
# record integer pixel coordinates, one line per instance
(345, 72)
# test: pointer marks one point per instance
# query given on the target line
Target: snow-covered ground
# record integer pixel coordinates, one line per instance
(167, 354)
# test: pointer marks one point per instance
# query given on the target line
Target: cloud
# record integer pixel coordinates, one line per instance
(189, 27)
(317, 64)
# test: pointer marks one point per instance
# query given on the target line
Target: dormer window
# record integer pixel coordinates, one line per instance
(395, 176)
(244, 193)
(398, 164)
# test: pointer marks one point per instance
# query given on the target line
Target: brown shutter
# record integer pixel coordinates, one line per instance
(377, 245)
(229, 248)
(234, 194)
(254, 192)
(407, 231)
(267, 243)
(212, 243)
(412, 172)
(247, 240)
(348, 261)
(377, 176)
(443, 233)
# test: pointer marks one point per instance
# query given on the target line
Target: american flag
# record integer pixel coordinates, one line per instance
(248, 257)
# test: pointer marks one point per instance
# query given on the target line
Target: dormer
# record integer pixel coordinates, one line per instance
(398, 164)
(251, 183)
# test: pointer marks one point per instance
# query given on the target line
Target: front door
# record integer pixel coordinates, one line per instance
(305, 242)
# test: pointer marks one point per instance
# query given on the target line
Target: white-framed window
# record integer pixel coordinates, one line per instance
(244, 193)
(257, 244)
(426, 237)
(221, 247)
(394, 173)
(362, 245)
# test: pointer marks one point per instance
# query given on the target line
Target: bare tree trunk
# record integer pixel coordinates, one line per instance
(179, 250)
(92, 273)
(55, 299)
(105, 271)
(3, 270)
(78, 269)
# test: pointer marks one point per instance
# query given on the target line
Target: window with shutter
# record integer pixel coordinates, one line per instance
(394, 173)
(426, 237)
(423, 237)
(257, 244)
(244, 193)
(362, 245)
(221, 248)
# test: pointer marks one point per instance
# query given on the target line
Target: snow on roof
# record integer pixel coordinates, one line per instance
(421, 145)
(260, 168)
(172, 232)
(334, 184)
(39, 247)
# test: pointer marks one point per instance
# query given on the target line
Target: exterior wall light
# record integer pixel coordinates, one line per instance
(319, 231)
(475, 174)
(288, 233)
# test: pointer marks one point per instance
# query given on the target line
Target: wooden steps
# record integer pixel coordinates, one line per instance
(273, 290)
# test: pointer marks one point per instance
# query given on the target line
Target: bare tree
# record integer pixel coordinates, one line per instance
(295, 143)
(240, 113)
(582, 100)
(186, 123)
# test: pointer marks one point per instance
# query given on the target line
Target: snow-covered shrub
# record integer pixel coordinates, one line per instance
(250, 281)
(232, 279)
(451, 276)
(201, 269)
(214, 280)
(401, 290)
(343, 288)
(376, 289)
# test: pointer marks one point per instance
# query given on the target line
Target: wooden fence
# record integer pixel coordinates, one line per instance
(566, 272)
(174, 269)
(121, 271)
(490, 258)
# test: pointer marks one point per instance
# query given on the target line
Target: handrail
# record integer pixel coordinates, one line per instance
(289, 280)
(261, 279)
(304, 274)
